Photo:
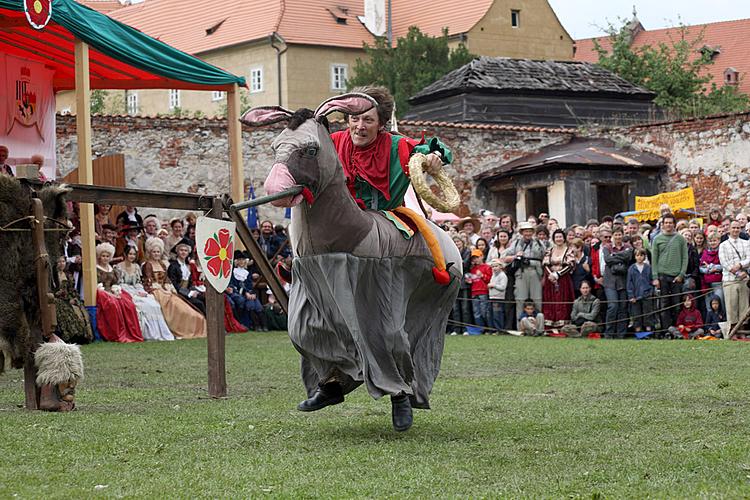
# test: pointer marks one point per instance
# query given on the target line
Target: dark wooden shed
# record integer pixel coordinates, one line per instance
(544, 93)
(573, 182)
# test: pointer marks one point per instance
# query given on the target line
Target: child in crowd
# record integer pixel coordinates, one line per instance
(585, 311)
(714, 317)
(531, 321)
(243, 296)
(640, 290)
(710, 268)
(689, 321)
(497, 286)
(479, 277)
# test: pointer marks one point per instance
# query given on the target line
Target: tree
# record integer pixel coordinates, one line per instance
(97, 101)
(676, 71)
(415, 62)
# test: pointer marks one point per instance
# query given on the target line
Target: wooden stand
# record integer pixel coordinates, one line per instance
(217, 378)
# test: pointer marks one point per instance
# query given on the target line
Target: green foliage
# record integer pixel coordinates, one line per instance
(97, 100)
(116, 104)
(244, 104)
(415, 62)
(511, 418)
(676, 71)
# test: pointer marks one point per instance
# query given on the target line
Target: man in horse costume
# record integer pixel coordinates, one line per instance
(372, 282)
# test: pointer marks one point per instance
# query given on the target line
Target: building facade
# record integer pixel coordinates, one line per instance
(297, 54)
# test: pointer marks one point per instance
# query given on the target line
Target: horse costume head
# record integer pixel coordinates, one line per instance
(304, 152)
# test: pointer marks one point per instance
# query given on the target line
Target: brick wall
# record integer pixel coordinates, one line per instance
(191, 155)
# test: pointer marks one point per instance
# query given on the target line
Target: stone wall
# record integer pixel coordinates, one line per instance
(710, 155)
(191, 155)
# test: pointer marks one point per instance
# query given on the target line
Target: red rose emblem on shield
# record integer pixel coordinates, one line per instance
(38, 12)
(219, 251)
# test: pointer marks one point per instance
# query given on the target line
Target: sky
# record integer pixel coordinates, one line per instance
(584, 18)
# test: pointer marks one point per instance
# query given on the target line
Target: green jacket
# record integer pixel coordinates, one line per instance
(669, 255)
(586, 308)
(398, 180)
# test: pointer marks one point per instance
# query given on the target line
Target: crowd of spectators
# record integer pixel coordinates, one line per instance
(677, 278)
(151, 284)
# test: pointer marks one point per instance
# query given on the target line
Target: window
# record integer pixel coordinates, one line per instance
(731, 76)
(132, 103)
(338, 77)
(256, 80)
(174, 99)
(515, 18)
(217, 95)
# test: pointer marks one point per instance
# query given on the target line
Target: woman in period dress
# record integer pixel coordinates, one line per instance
(557, 286)
(150, 316)
(116, 316)
(184, 321)
(73, 324)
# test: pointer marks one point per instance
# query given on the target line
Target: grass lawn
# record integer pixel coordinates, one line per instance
(518, 417)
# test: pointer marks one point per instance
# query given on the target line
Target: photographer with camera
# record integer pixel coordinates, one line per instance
(524, 261)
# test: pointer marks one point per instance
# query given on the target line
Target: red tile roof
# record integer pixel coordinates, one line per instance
(103, 6)
(183, 23)
(732, 37)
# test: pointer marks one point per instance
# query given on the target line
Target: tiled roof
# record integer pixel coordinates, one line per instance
(731, 37)
(184, 23)
(103, 6)
(500, 74)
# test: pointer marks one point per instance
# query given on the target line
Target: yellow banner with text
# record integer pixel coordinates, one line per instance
(648, 207)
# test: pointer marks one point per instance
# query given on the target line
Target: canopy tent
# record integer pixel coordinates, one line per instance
(121, 57)
(85, 50)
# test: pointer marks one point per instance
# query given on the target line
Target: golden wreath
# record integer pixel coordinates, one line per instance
(450, 199)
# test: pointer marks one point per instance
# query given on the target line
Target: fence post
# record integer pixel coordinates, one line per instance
(217, 377)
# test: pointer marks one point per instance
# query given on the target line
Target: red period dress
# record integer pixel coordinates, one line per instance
(116, 316)
(557, 296)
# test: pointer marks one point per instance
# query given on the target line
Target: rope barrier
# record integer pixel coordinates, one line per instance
(605, 323)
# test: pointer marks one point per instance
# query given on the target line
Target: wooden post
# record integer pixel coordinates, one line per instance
(234, 130)
(217, 377)
(41, 267)
(85, 170)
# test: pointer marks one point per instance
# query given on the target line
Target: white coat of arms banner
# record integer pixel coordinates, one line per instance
(215, 241)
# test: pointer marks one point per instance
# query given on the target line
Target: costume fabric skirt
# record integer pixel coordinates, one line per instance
(150, 317)
(553, 294)
(377, 321)
(183, 320)
(231, 325)
(116, 317)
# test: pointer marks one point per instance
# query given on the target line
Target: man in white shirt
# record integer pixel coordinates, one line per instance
(734, 255)
(4, 167)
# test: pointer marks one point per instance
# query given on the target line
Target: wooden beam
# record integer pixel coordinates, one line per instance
(217, 377)
(85, 170)
(138, 197)
(234, 130)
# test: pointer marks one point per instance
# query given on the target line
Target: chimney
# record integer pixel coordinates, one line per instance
(374, 18)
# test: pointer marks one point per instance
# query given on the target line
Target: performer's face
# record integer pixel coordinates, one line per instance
(364, 128)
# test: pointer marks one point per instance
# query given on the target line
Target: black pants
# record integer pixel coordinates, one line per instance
(671, 295)
(640, 311)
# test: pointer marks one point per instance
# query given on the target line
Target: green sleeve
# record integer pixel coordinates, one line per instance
(655, 258)
(683, 256)
(435, 144)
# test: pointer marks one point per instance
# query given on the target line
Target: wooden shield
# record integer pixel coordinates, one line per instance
(215, 241)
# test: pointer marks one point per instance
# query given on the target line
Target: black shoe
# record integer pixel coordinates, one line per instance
(326, 395)
(401, 413)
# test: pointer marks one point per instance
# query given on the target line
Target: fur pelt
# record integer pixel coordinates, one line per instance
(19, 308)
(58, 362)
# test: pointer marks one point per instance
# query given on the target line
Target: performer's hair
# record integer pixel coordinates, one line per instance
(384, 98)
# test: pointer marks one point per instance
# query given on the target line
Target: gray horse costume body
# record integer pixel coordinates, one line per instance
(364, 307)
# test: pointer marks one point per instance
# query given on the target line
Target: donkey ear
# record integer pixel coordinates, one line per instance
(265, 115)
(351, 104)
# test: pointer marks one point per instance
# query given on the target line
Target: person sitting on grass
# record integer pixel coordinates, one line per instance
(714, 316)
(640, 290)
(689, 321)
(531, 321)
(584, 314)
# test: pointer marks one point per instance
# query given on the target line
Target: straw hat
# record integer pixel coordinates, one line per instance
(526, 225)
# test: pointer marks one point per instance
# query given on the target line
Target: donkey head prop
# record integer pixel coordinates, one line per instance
(304, 153)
